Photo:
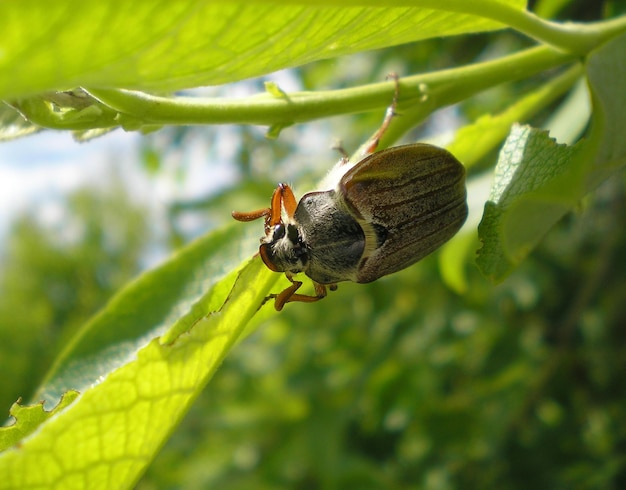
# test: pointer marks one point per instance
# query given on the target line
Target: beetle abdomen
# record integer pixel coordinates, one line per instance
(416, 193)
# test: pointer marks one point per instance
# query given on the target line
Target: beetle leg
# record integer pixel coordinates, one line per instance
(286, 296)
(289, 295)
(372, 144)
(344, 155)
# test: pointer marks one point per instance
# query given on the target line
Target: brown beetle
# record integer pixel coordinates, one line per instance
(372, 218)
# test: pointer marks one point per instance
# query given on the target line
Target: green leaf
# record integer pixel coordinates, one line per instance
(28, 418)
(13, 124)
(163, 45)
(606, 72)
(453, 259)
(537, 181)
(138, 365)
(176, 293)
(532, 190)
(472, 143)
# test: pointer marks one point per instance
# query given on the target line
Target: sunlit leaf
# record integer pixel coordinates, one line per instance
(537, 181)
(166, 45)
(138, 366)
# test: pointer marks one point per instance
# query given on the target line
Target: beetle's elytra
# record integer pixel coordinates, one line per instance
(379, 216)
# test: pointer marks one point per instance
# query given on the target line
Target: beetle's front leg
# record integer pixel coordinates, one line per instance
(289, 295)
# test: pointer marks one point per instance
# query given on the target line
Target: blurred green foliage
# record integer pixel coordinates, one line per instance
(58, 268)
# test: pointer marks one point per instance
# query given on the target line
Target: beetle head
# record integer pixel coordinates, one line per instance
(283, 249)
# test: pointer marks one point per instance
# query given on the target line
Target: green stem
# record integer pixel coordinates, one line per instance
(439, 94)
(488, 132)
(40, 110)
(570, 37)
(443, 88)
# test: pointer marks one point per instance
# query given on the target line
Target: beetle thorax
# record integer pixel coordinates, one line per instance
(286, 248)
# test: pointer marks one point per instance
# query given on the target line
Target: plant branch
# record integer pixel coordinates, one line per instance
(428, 91)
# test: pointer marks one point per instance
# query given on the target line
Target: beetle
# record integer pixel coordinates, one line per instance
(370, 218)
